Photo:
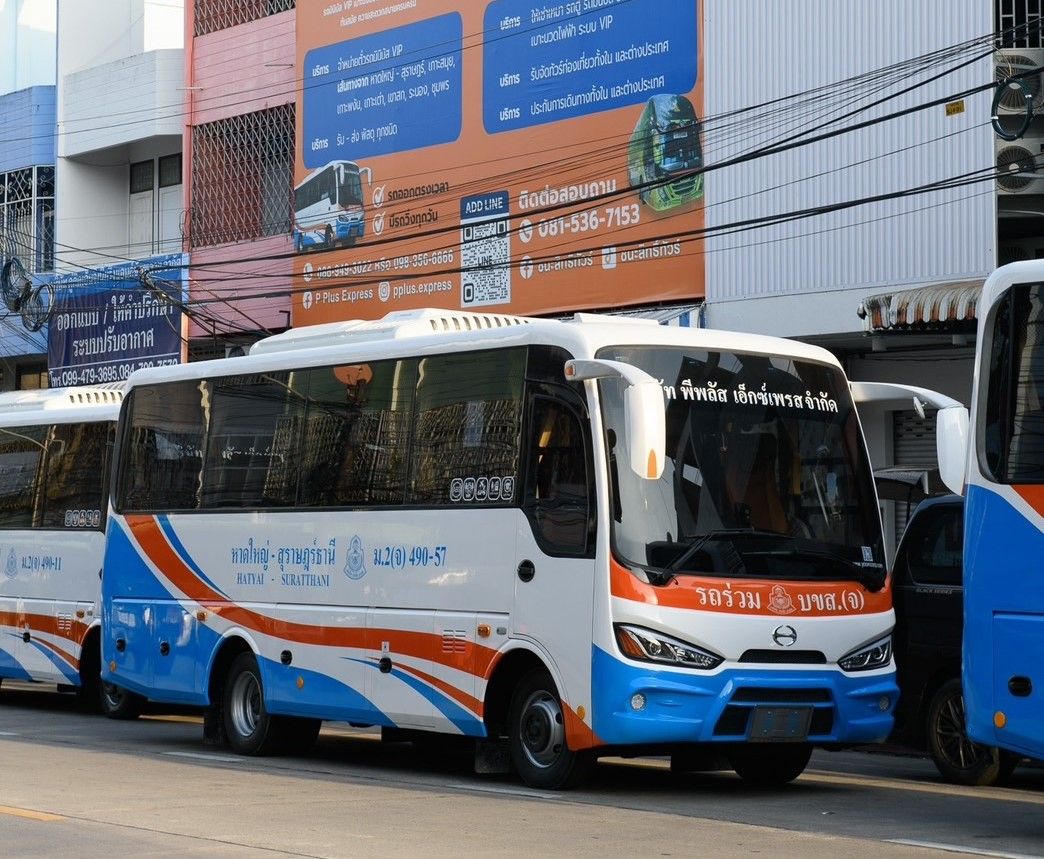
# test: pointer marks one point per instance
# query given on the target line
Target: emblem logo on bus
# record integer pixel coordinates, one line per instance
(785, 636)
(780, 601)
(354, 567)
(11, 567)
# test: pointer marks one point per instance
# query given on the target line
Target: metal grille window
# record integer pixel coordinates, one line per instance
(170, 170)
(141, 177)
(1018, 23)
(242, 177)
(27, 217)
(214, 15)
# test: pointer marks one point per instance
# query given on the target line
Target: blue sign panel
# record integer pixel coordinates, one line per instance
(387, 92)
(543, 62)
(111, 321)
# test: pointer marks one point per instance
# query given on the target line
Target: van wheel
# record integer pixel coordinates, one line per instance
(769, 765)
(959, 759)
(119, 703)
(536, 736)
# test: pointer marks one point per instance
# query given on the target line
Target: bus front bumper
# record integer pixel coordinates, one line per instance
(635, 705)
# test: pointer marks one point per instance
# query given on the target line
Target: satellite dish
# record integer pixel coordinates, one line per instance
(36, 309)
(15, 284)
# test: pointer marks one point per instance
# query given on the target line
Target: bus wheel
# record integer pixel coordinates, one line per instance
(536, 736)
(119, 703)
(769, 765)
(958, 759)
(249, 727)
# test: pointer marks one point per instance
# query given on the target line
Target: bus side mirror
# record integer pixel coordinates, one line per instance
(951, 444)
(645, 420)
(646, 424)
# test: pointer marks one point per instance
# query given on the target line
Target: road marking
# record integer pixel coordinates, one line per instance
(42, 816)
(1001, 794)
(189, 720)
(9, 734)
(958, 848)
(506, 791)
(203, 756)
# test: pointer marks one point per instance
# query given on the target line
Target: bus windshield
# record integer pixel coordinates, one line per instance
(766, 474)
(349, 191)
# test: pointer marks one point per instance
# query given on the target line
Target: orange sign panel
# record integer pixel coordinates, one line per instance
(517, 156)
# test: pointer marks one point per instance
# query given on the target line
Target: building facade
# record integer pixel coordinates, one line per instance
(27, 111)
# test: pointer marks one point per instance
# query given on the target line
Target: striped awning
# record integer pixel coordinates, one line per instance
(941, 307)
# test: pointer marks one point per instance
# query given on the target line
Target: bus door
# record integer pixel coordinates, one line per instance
(554, 582)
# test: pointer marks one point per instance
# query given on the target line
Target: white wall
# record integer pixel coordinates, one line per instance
(757, 52)
(120, 99)
(27, 43)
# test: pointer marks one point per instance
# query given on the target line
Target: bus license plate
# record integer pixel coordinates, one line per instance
(780, 724)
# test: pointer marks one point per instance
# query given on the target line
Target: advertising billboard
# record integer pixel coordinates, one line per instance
(516, 156)
(107, 323)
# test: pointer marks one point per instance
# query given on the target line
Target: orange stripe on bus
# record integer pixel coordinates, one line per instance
(73, 632)
(422, 645)
(469, 702)
(751, 596)
(1032, 495)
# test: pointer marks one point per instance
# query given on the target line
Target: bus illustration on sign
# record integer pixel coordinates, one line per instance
(328, 207)
(664, 150)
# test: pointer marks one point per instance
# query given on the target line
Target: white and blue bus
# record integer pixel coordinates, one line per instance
(563, 539)
(55, 448)
(329, 207)
(1003, 668)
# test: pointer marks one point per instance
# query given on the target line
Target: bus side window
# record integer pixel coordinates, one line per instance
(558, 491)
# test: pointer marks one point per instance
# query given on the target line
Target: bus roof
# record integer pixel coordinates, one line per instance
(433, 331)
(61, 405)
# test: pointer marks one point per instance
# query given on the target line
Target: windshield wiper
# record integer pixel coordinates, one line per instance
(719, 533)
(872, 581)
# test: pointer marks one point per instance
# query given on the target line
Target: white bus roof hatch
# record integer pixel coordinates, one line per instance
(395, 325)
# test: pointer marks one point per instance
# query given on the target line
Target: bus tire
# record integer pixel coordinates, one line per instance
(958, 759)
(249, 727)
(764, 765)
(537, 739)
(119, 703)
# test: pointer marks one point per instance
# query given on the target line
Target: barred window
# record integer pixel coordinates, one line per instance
(1019, 23)
(27, 217)
(214, 15)
(242, 177)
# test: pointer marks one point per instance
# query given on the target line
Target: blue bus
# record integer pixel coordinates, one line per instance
(1003, 668)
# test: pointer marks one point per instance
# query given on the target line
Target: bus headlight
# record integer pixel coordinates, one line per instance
(875, 655)
(649, 646)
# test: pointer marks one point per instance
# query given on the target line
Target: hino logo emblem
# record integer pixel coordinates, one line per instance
(785, 636)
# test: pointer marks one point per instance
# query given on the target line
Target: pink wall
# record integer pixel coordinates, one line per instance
(265, 268)
(244, 69)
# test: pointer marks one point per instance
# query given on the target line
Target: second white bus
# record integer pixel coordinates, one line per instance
(55, 449)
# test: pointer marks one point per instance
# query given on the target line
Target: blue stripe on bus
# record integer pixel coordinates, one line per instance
(179, 547)
(11, 668)
(67, 671)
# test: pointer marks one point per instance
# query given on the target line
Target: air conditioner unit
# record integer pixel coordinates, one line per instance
(1020, 166)
(1021, 249)
(1016, 61)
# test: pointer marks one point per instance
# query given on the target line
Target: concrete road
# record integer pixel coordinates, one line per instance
(76, 784)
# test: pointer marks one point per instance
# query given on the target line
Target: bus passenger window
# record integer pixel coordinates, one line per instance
(558, 494)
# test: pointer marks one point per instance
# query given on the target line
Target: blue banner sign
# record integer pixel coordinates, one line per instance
(108, 322)
(548, 61)
(387, 92)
